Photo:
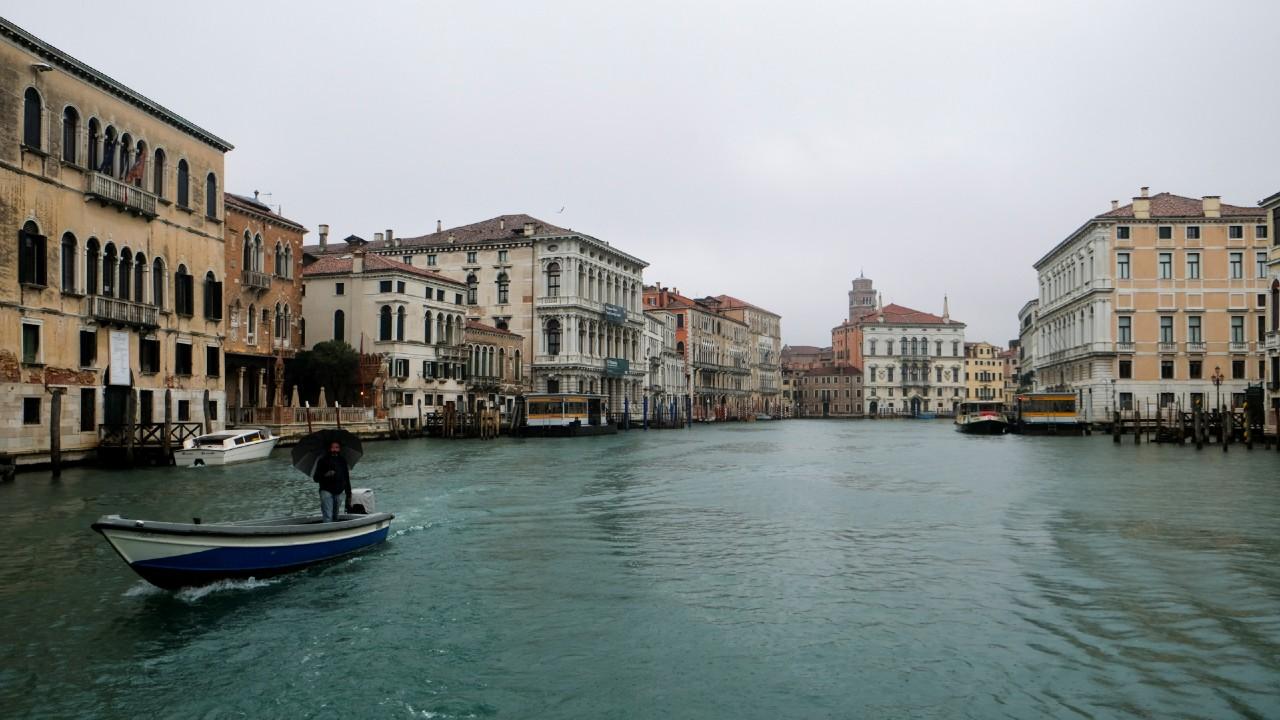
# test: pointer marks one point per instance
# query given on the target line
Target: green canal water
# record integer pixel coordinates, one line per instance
(802, 569)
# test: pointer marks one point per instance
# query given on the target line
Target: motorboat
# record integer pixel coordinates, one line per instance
(982, 417)
(174, 555)
(226, 447)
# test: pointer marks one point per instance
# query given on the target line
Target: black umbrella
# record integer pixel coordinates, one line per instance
(311, 448)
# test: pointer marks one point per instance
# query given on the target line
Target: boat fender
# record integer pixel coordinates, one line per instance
(137, 523)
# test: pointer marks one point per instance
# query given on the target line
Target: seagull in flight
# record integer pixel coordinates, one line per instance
(560, 210)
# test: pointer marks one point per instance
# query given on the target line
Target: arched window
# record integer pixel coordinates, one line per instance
(247, 259)
(384, 323)
(124, 288)
(279, 322)
(31, 255)
(139, 276)
(91, 260)
(184, 302)
(400, 323)
(157, 283)
(253, 325)
(70, 133)
(553, 280)
(519, 366)
(138, 170)
(504, 288)
(426, 328)
(157, 174)
(553, 337)
(288, 261)
(259, 259)
(92, 145)
(126, 147)
(211, 195)
(471, 288)
(339, 325)
(109, 270)
(502, 362)
(440, 328)
(212, 297)
(68, 260)
(278, 258)
(680, 348)
(109, 139)
(184, 184)
(32, 109)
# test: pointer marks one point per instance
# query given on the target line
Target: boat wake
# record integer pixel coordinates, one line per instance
(195, 594)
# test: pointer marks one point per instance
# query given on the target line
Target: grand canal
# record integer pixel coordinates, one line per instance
(803, 569)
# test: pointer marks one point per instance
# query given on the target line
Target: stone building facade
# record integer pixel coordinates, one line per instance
(111, 278)
(264, 324)
(717, 351)
(914, 361)
(765, 348)
(828, 392)
(1144, 305)
(495, 367)
(1271, 340)
(412, 317)
(665, 375)
(573, 298)
(984, 372)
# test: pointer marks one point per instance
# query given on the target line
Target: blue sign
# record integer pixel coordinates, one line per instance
(615, 314)
(615, 367)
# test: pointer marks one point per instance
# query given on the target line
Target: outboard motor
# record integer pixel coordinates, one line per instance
(362, 502)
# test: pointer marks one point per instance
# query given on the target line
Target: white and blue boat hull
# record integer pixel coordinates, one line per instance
(175, 555)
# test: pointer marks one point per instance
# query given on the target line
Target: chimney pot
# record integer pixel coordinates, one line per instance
(390, 235)
(1211, 205)
(438, 227)
(324, 236)
(377, 237)
(502, 223)
(528, 228)
(1144, 190)
(1115, 204)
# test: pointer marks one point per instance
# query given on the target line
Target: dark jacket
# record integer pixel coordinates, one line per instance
(333, 475)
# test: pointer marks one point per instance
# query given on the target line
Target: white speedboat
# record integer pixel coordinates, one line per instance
(981, 417)
(226, 447)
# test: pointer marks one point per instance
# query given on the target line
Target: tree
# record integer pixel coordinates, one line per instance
(331, 365)
(1027, 381)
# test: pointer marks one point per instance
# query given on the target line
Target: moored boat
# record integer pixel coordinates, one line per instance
(982, 417)
(173, 555)
(226, 447)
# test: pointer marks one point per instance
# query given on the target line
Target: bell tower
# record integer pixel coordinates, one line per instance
(862, 299)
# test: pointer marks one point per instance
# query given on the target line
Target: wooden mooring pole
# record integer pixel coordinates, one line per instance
(1226, 431)
(1137, 427)
(1197, 427)
(55, 430)
(1116, 429)
(168, 424)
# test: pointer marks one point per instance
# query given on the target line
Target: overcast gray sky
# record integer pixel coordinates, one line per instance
(765, 150)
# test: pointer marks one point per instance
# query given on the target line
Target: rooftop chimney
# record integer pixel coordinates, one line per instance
(1144, 190)
(502, 223)
(377, 237)
(255, 194)
(324, 236)
(1115, 204)
(452, 239)
(1142, 205)
(528, 229)
(390, 236)
(1212, 205)
(438, 227)
(357, 261)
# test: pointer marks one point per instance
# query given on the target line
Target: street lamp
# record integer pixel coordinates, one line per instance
(1216, 377)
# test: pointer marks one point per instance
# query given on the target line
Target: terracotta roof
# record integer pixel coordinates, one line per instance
(503, 228)
(247, 204)
(482, 327)
(1269, 199)
(341, 265)
(729, 302)
(899, 315)
(1168, 205)
(803, 349)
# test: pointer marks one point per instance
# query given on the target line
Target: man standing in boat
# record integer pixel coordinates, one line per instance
(334, 478)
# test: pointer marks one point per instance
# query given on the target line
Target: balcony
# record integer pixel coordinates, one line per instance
(120, 312)
(125, 197)
(1196, 347)
(255, 280)
(1124, 347)
(1168, 347)
(1273, 340)
(1238, 347)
